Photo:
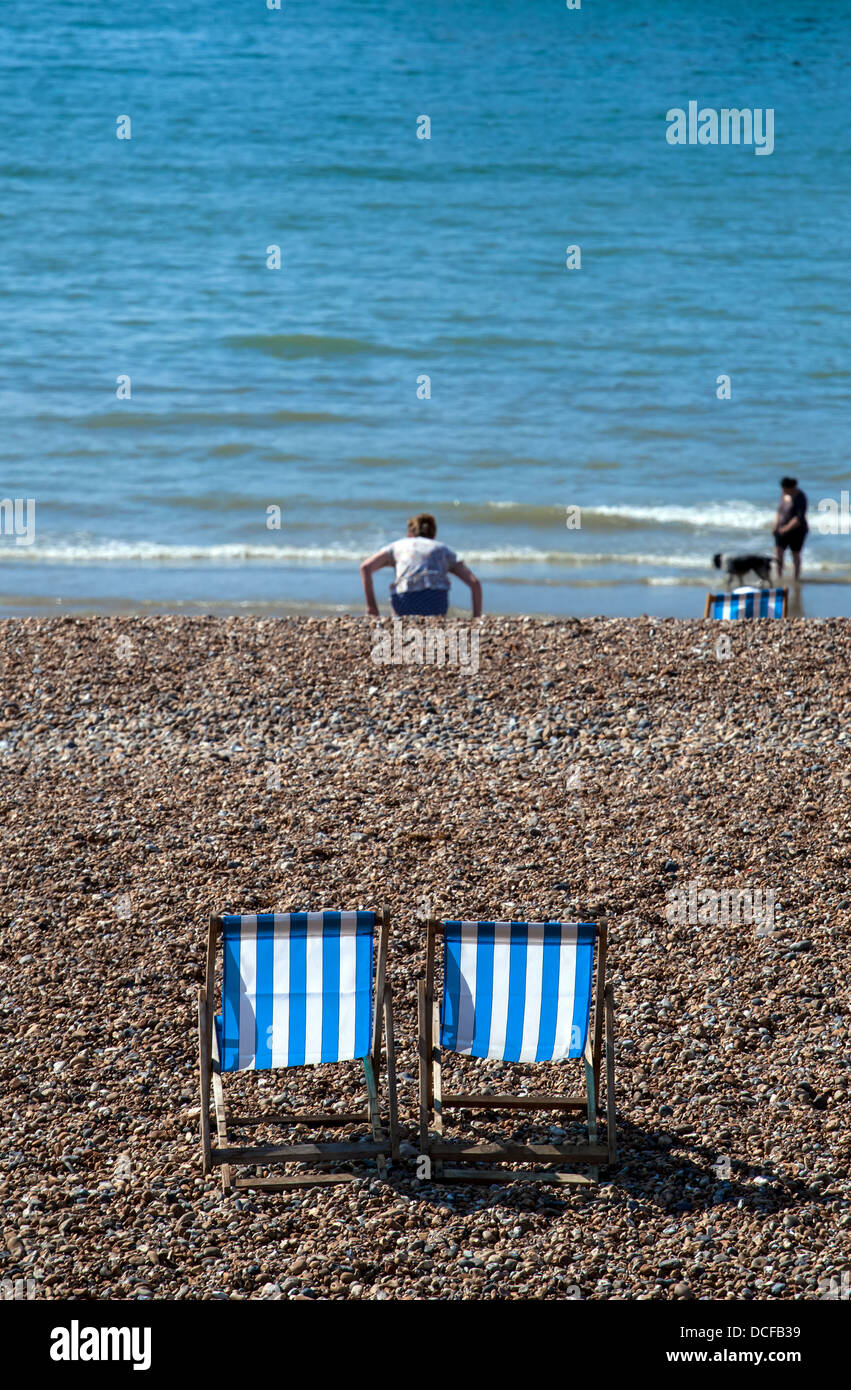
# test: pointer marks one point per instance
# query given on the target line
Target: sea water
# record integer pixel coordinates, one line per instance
(274, 279)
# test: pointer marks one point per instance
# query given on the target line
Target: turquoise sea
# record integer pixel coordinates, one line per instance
(301, 388)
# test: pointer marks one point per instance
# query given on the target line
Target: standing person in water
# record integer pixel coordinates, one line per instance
(790, 524)
(423, 566)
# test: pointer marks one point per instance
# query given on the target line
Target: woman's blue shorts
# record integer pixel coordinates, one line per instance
(421, 603)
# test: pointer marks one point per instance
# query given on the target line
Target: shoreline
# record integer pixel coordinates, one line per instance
(814, 598)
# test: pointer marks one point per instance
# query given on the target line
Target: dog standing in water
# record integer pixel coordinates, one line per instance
(735, 567)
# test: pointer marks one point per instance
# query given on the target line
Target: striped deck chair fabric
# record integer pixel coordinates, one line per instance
(297, 989)
(748, 603)
(517, 991)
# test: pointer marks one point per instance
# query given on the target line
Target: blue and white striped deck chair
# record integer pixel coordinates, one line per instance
(297, 989)
(524, 992)
(747, 603)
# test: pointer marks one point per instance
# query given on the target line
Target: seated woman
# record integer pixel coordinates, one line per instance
(423, 567)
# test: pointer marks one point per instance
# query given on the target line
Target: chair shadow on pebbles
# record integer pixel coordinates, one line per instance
(657, 1172)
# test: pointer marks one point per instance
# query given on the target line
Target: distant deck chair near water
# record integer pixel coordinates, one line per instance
(747, 603)
(298, 989)
(524, 992)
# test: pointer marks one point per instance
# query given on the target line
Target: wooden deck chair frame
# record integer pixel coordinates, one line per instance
(707, 607)
(226, 1154)
(599, 1049)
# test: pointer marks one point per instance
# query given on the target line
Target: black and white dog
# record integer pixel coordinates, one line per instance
(735, 567)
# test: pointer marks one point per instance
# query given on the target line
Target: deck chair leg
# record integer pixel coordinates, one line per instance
(425, 1062)
(374, 1118)
(592, 1110)
(221, 1121)
(391, 1074)
(437, 1080)
(592, 1102)
(205, 1059)
(611, 1133)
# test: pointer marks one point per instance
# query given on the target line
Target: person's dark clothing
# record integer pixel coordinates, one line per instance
(423, 603)
(792, 507)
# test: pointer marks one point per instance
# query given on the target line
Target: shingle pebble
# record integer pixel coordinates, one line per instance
(248, 764)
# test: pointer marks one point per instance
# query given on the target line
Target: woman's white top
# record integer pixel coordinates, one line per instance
(420, 564)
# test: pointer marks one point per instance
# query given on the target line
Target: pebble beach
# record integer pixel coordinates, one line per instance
(156, 770)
